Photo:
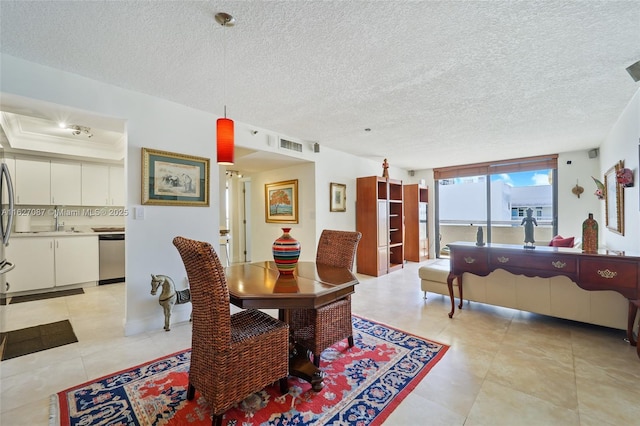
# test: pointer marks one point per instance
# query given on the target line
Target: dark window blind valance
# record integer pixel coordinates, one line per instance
(526, 164)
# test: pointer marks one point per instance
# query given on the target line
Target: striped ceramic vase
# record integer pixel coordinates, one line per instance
(286, 251)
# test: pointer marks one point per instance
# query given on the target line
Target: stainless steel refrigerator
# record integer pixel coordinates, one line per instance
(6, 222)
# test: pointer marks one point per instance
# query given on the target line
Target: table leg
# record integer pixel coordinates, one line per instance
(637, 304)
(631, 319)
(300, 364)
(450, 279)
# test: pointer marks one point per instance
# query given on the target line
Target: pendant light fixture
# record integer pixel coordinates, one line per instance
(224, 126)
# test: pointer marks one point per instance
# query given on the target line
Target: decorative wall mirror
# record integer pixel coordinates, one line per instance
(614, 200)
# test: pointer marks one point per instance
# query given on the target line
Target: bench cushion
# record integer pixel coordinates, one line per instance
(435, 271)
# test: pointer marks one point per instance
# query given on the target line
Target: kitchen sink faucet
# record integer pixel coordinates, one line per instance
(58, 225)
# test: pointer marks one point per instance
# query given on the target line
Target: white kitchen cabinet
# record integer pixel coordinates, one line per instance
(116, 185)
(33, 182)
(48, 262)
(34, 264)
(95, 184)
(76, 259)
(66, 183)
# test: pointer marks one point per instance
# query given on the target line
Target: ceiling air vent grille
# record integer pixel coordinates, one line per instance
(292, 146)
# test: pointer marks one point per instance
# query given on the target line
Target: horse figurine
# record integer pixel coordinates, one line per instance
(169, 296)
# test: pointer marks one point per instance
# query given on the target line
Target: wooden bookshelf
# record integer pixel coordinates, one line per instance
(380, 219)
(416, 237)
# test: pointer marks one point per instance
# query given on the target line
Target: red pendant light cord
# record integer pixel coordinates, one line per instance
(225, 126)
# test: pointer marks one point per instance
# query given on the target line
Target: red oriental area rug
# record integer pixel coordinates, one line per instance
(363, 385)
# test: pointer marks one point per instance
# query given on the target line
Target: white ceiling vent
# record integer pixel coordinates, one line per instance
(292, 146)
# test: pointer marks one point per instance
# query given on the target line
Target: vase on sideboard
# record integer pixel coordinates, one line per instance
(590, 235)
(286, 252)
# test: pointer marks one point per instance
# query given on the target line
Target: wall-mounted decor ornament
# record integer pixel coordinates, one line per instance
(600, 189)
(577, 190)
(624, 177)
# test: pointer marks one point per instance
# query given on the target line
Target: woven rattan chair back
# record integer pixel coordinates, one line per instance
(209, 297)
(317, 329)
(338, 248)
(235, 355)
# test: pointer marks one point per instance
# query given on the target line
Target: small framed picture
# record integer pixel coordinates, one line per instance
(171, 179)
(281, 202)
(338, 200)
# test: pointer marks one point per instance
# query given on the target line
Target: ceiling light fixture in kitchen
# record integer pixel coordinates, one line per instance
(224, 126)
(77, 130)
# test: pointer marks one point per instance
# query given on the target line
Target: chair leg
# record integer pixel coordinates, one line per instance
(191, 392)
(350, 340)
(216, 420)
(284, 386)
(316, 360)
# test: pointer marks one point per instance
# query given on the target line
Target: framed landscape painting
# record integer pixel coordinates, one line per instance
(281, 201)
(338, 194)
(174, 179)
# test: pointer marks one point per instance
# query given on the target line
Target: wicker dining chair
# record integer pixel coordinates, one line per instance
(232, 356)
(318, 329)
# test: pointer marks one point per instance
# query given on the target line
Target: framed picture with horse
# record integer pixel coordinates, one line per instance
(174, 179)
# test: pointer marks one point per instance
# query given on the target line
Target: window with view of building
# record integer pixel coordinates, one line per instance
(496, 199)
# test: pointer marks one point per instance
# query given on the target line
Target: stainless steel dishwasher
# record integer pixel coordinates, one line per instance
(111, 249)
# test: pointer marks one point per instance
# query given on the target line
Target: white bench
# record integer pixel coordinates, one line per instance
(433, 277)
(557, 296)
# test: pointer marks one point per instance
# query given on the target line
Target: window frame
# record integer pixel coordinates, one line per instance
(487, 169)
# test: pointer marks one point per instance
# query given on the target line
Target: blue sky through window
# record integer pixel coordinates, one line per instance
(538, 177)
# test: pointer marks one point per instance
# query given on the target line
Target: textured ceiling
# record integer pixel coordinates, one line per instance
(438, 83)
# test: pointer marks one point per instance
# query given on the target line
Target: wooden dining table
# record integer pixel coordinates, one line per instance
(259, 285)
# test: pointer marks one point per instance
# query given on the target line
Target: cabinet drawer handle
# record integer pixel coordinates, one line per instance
(469, 259)
(503, 259)
(607, 273)
(558, 264)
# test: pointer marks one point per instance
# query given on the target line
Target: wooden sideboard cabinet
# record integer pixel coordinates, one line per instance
(604, 270)
(380, 219)
(416, 231)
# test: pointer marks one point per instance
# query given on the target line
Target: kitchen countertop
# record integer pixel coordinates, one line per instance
(67, 233)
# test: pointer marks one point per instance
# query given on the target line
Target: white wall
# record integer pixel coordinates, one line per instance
(572, 211)
(152, 123)
(263, 234)
(314, 180)
(622, 144)
(335, 166)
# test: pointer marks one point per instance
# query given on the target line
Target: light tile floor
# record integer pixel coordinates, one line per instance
(504, 367)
